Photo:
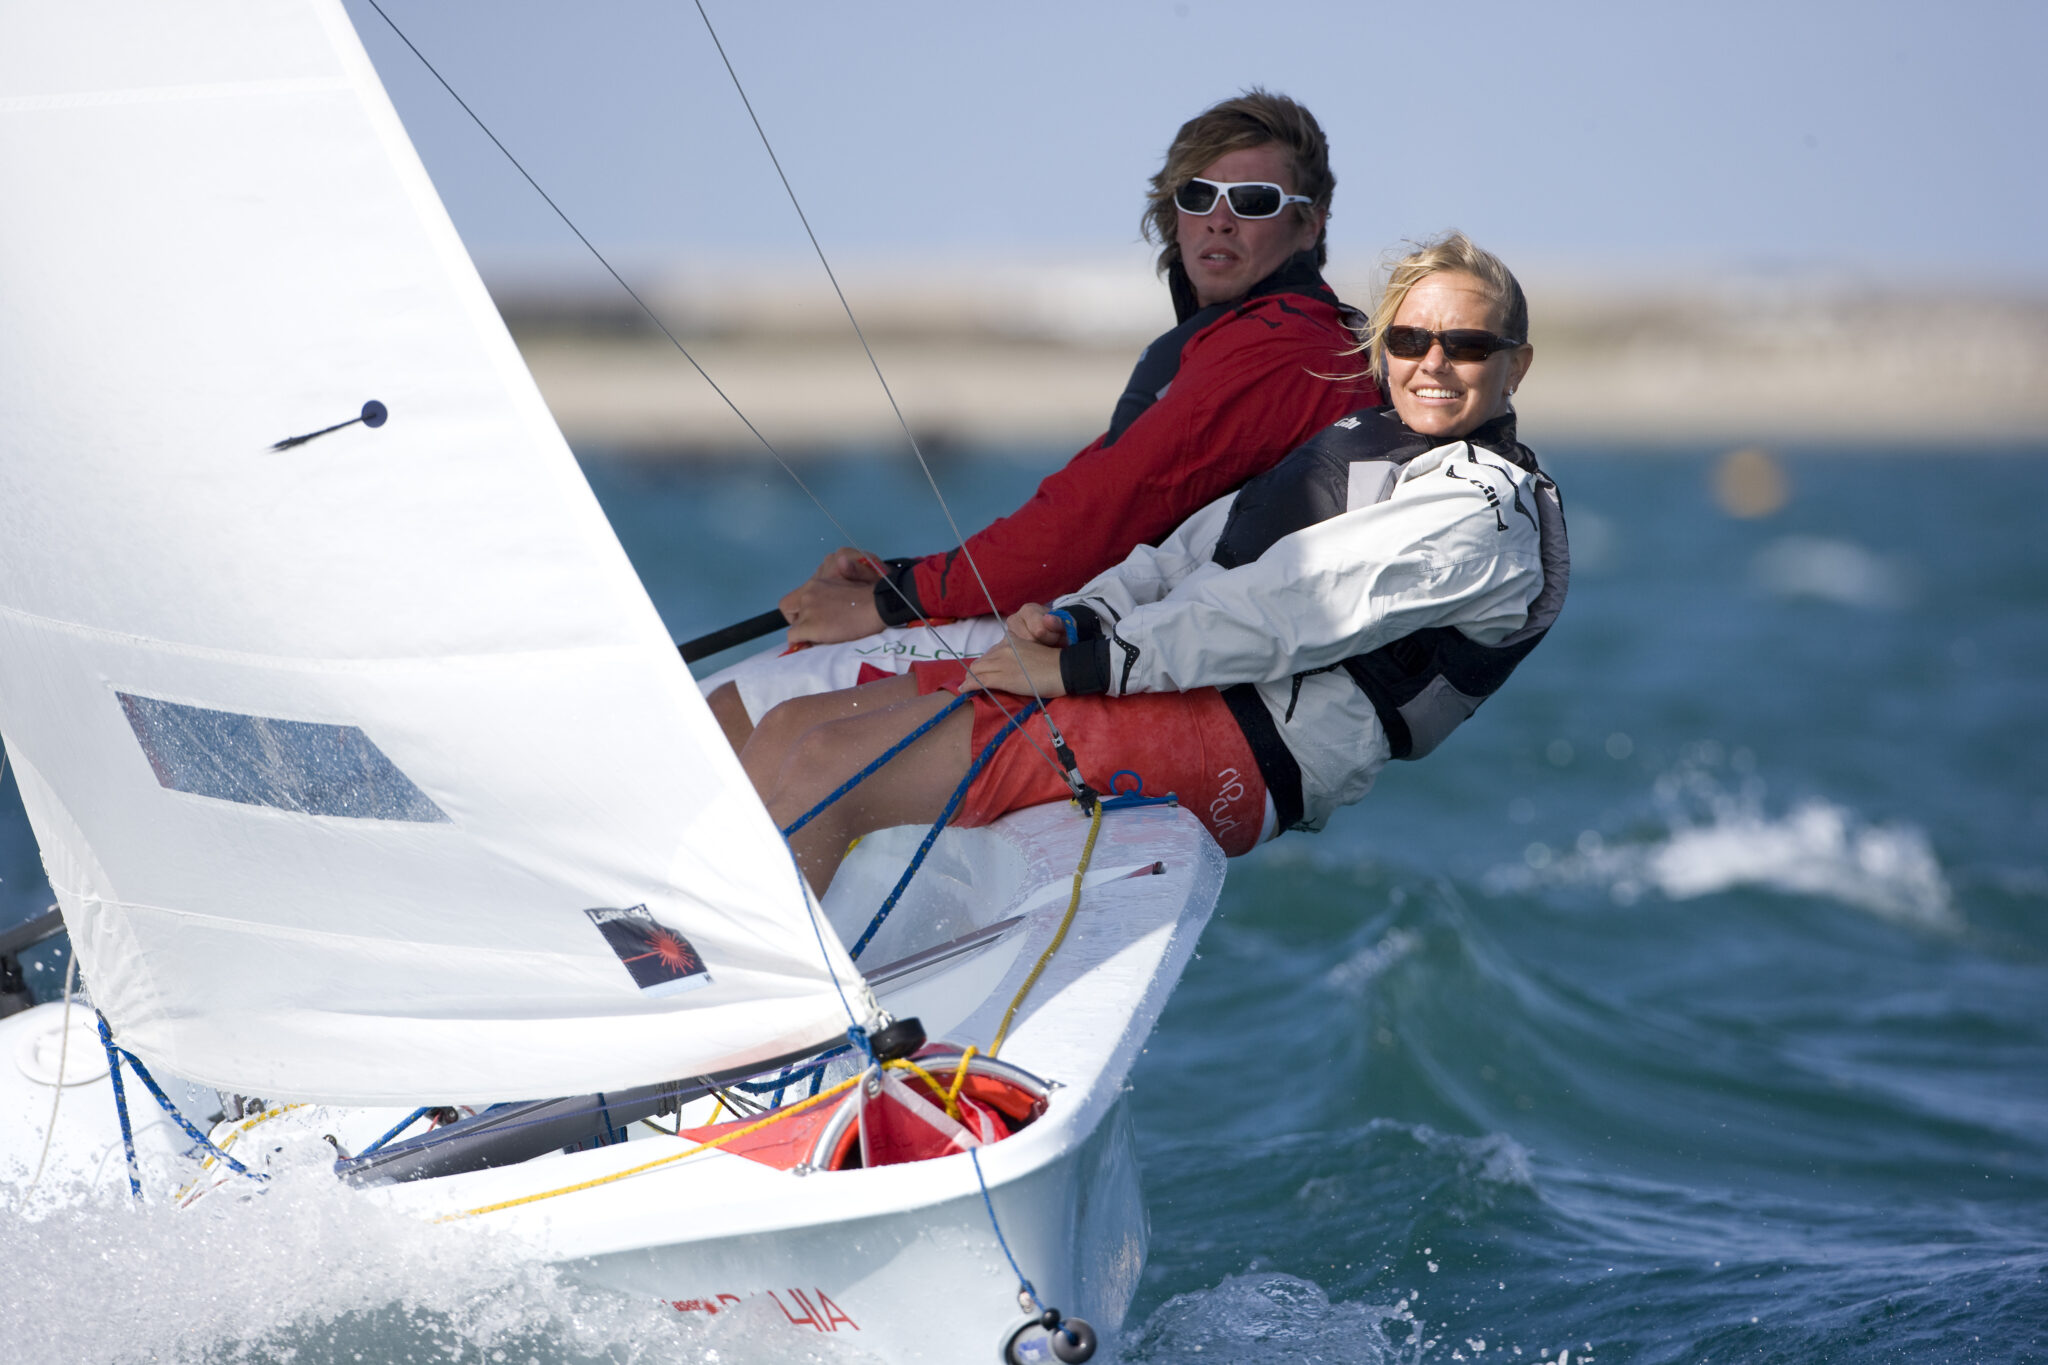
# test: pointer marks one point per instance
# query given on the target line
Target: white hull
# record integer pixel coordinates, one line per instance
(899, 1261)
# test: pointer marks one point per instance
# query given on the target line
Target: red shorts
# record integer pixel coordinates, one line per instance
(1186, 743)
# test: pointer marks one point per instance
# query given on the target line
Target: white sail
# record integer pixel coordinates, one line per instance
(363, 770)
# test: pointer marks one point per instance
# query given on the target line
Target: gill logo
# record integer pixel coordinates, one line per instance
(1231, 792)
(1492, 498)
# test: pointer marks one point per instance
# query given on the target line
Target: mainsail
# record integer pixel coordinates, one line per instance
(363, 769)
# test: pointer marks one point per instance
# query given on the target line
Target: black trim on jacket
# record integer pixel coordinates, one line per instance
(1277, 766)
(1159, 362)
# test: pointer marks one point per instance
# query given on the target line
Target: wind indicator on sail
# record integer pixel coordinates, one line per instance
(372, 415)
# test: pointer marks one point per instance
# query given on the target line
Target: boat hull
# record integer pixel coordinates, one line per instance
(899, 1263)
(908, 1252)
(925, 1282)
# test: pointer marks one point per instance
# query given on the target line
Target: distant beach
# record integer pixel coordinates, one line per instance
(985, 358)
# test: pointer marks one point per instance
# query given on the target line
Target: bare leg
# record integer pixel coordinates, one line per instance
(786, 723)
(731, 714)
(795, 765)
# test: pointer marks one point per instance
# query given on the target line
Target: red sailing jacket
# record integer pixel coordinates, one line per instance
(1219, 399)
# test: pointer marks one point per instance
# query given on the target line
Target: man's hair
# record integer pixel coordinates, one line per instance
(1453, 251)
(1252, 119)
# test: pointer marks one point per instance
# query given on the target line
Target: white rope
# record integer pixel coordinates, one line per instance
(63, 1057)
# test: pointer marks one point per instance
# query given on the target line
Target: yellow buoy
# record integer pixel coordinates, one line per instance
(1749, 483)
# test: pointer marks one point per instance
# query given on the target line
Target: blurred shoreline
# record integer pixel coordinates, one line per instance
(1019, 356)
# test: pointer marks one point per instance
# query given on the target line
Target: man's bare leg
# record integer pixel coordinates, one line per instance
(785, 723)
(731, 714)
(808, 762)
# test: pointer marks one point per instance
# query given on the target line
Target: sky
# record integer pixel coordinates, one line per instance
(1897, 142)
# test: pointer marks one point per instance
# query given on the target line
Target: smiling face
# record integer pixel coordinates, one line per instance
(1225, 255)
(1439, 397)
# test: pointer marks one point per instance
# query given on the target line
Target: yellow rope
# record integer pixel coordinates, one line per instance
(207, 1163)
(718, 1141)
(932, 1081)
(245, 1125)
(951, 1092)
(959, 1079)
(1073, 904)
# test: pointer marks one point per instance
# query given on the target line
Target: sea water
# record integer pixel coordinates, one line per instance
(1691, 1004)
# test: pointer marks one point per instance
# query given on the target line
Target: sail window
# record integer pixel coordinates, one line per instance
(293, 765)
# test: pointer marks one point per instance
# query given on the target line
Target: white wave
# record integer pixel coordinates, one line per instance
(1274, 1319)
(1831, 571)
(1367, 963)
(310, 1270)
(1490, 1159)
(1816, 849)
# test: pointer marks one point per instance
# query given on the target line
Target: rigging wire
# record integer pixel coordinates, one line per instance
(815, 910)
(1069, 772)
(591, 247)
(1072, 778)
(847, 537)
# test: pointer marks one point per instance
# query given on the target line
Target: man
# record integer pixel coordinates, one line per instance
(1240, 209)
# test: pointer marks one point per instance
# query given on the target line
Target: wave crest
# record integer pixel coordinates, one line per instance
(1716, 841)
(1275, 1319)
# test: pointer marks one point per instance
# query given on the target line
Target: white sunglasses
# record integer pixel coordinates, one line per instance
(1248, 198)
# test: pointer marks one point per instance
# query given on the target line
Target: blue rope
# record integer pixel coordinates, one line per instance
(1001, 1241)
(120, 1104)
(1123, 797)
(814, 1073)
(931, 836)
(1134, 801)
(865, 773)
(199, 1139)
(610, 1136)
(408, 1121)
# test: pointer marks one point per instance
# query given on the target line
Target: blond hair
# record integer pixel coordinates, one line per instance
(1454, 252)
(1252, 119)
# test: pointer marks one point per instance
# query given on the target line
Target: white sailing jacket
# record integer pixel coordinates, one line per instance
(1453, 543)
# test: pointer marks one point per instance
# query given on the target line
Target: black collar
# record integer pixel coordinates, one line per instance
(1496, 434)
(1296, 275)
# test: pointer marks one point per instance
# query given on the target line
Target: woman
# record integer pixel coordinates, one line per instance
(1351, 605)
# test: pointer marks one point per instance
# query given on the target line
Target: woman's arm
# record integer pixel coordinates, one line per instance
(1435, 553)
(1036, 658)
